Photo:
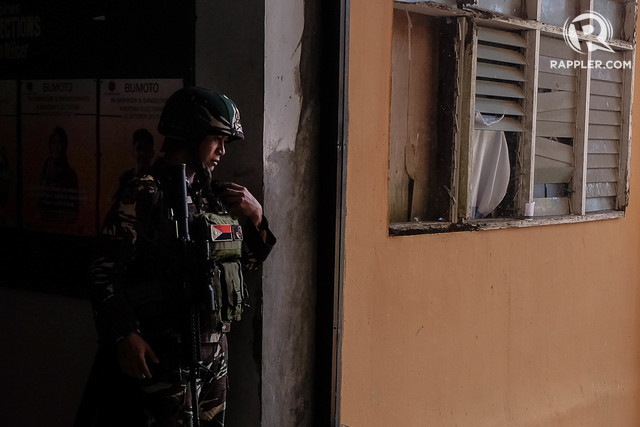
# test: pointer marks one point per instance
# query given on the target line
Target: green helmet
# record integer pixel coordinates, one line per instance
(193, 112)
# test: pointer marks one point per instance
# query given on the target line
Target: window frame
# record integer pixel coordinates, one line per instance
(469, 19)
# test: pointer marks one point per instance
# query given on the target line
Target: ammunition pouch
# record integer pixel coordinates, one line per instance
(223, 268)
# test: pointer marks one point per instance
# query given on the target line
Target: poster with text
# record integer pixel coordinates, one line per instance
(59, 155)
(8, 153)
(129, 138)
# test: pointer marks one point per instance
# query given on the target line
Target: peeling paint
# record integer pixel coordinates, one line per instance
(290, 180)
(284, 25)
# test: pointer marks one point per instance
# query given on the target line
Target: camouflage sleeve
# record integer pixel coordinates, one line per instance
(129, 219)
(258, 242)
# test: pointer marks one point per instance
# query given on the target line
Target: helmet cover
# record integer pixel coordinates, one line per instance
(194, 112)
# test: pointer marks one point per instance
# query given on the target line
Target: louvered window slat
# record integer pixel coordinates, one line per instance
(499, 78)
(605, 132)
(606, 88)
(607, 103)
(555, 48)
(566, 115)
(558, 100)
(605, 135)
(553, 81)
(599, 117)
(602, 175)
(595, 204)
(493, 53)
(499, 72)
(506, 38)
(607, 74)
(601, 189)
(505, 90)
(498, 106)
(554, 150)
(552, 206)
(596, 161)
(555, 128)
(598, 146)
(553, 175)
(507, 124)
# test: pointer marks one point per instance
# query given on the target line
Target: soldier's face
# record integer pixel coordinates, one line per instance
(212, 149)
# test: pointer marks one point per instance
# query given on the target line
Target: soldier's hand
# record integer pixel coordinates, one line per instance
(133, 353)
(242, 203)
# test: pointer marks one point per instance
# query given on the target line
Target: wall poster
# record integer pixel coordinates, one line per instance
(129, 139)
(8, 153)
(59, 155)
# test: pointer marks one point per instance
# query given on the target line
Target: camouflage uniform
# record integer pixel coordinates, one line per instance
(136, 288)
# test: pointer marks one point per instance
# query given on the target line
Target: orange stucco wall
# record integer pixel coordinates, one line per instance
(518, 327)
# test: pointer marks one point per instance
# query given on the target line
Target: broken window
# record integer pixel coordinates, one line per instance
(555, 143)
(421, 126)
(498, 122)
(503, 110)
(608, 136)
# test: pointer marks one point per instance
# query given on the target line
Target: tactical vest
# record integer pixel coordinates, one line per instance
(227, 291)
(154, 279)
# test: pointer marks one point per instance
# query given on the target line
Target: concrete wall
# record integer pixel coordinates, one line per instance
(519, 327)
(264, 61)
(290, 153)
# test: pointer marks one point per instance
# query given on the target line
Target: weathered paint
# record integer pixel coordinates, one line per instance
(290, 184)
(536, 326)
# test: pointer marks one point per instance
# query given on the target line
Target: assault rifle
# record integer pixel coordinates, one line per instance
(197, 268)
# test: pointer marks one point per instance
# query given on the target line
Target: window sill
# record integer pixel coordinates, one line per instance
(415, 228)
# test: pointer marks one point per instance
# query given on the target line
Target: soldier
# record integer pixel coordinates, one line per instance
(138, 297)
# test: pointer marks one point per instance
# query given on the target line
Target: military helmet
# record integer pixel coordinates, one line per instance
(193, 112)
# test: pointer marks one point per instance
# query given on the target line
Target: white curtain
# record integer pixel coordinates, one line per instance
(490, 167)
